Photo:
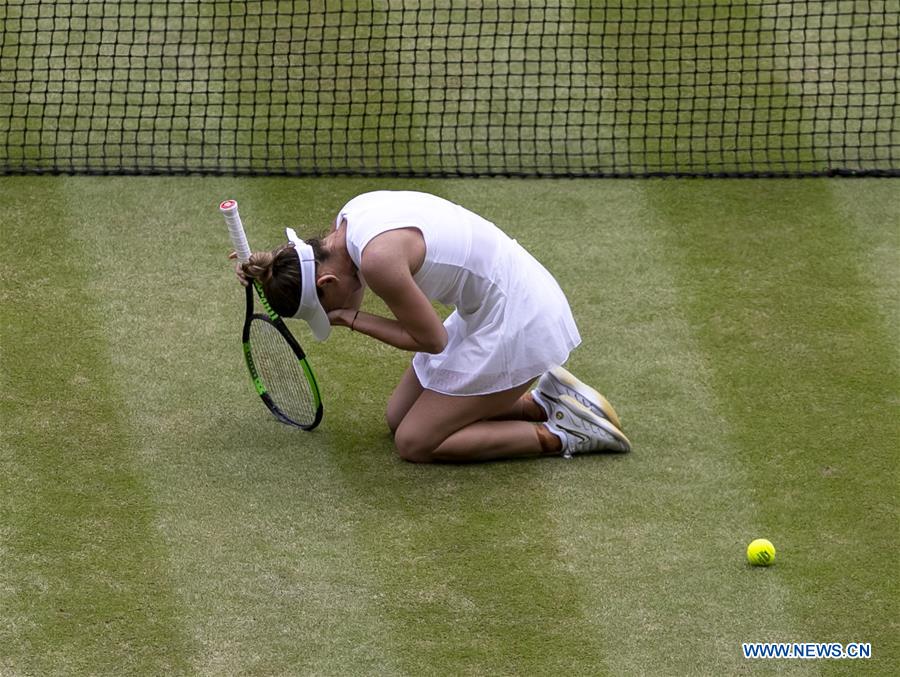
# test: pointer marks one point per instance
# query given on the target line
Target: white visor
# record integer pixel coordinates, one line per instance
(310, 309)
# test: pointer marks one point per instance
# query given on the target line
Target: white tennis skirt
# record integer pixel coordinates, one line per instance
(523, 328)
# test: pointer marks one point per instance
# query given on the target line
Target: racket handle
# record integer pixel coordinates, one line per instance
(229, 209)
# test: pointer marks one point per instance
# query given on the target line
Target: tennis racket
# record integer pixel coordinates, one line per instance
(278, 366)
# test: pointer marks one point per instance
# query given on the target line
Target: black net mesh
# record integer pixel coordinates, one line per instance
(508, 87)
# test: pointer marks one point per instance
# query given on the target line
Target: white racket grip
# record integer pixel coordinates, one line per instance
(229, 209)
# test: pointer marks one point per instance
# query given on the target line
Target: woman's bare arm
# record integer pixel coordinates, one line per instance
(387, 265)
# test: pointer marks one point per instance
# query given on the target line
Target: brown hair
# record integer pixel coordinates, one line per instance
(278, 271)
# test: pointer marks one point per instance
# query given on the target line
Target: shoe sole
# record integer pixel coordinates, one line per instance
(582, 411)
(592, 398)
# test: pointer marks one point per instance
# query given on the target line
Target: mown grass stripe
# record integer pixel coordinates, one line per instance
(85, 583)
(875, 230)
(453, 575)
(261, 529)
(463, 574)
(471, 578)
(779, 293)
(646, 536)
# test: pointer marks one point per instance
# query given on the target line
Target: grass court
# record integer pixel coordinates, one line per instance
(156, 520)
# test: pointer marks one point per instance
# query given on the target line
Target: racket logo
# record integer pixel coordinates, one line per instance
(265, 301)
(228, 204)
(254, 374)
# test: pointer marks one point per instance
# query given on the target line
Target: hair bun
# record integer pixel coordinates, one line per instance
(259, 267)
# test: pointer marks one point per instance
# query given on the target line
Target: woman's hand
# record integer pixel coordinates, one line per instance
(342, 317)
(238, 270)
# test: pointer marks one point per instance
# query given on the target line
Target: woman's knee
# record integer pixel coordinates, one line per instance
(413, 445)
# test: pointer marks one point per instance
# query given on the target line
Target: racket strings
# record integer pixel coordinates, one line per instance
(281, 373)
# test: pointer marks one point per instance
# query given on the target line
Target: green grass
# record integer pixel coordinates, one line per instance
(156, 520)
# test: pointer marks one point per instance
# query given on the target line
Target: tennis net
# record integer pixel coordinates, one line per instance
(450, 88)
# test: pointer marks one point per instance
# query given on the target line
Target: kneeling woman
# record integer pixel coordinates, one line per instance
(467, 394)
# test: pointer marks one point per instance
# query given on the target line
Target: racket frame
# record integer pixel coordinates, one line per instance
(229, 210)
(275, 320)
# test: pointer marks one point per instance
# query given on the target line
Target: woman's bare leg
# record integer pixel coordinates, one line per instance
(524, 409)
(404, 396)
(409, 389)
(457, 429)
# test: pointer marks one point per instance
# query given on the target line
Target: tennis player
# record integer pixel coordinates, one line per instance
(467, 395)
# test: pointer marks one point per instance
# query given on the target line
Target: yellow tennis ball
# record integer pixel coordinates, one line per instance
(761, 553)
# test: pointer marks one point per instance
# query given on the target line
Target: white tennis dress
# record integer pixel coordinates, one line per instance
(511, 321)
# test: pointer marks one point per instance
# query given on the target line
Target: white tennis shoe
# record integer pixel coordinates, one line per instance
(581, 430)
(559, 381)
